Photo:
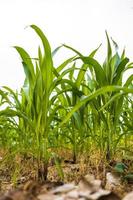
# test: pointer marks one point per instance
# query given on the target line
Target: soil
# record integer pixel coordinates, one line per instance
(82, 181)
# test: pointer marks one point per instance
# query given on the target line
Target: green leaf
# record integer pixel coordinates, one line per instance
(27, 64)
(92, 54)
(74, 50)
(99, 72)
(120, 167)
(47, 63)
(129, 178)
(81, 75)
(120, 70)
(109, 50)
(129, 81)
(64, 64)
(56, 50)
(88, 98)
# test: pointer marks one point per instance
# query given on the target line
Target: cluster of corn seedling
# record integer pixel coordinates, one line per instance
(68, 107)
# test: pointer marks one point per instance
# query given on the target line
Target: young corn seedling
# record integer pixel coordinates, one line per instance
(107, 96)
(37, 108)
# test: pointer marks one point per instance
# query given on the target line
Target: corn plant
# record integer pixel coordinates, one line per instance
(37, 106)
(106, 107)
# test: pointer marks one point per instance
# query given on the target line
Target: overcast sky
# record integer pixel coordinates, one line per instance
(79, 23)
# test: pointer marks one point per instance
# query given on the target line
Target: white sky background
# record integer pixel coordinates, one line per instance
(79, 23)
